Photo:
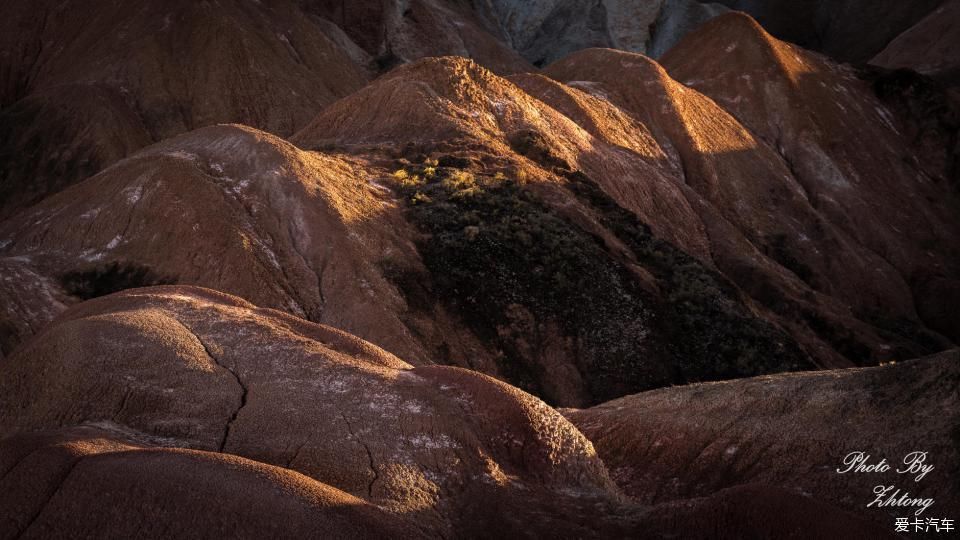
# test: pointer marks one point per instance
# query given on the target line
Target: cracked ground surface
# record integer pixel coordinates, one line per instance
(211, 398)
(213, 373)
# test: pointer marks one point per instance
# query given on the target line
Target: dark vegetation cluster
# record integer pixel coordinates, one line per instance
(710, 331)
(491, 244)
(110, 278)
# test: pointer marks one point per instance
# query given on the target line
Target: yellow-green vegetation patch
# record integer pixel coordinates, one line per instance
(494, 249)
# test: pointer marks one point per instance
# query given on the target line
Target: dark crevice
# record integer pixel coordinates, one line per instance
(36, 516)
(123, 404)
(296, 454)
(243, 389)
(318, 276)
(371, 464)
(243, 400)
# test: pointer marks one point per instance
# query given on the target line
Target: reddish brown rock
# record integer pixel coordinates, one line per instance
(819, 117)
(230, 208)
(324, 235)
(678, 443)
(775, 251)
(148, 71)
(203, 370)
(929, 47)
(184, 409)
(109, 481)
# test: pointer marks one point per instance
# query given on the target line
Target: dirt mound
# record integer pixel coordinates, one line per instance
(148, 71)
(190, 387)
(816, 115)
(397, 232)
(240, 211)
(719, 434)
(109, 481)
(54, 137)
(207, 371)
(775, 251)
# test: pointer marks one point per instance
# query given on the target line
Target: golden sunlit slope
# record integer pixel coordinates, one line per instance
(231, 208)
(764, 232)
(520, 204)
(845, 149)
(455, 105)
(666, 153)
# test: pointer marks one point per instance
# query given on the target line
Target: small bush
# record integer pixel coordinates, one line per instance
(420, 198)
(111, 278)
(702, 315)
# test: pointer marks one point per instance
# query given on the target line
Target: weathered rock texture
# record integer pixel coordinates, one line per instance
(603, 227)
(848, 154)
(583, 241)
(258, 414)
(677, 443)
(83, 84)
(929, 47)
(547, 30)
(98, 482)
(207, 371)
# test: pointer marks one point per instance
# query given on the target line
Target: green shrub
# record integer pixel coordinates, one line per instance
(109, 278)
(491, 246)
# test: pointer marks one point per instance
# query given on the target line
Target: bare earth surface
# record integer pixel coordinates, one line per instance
(313, 268)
